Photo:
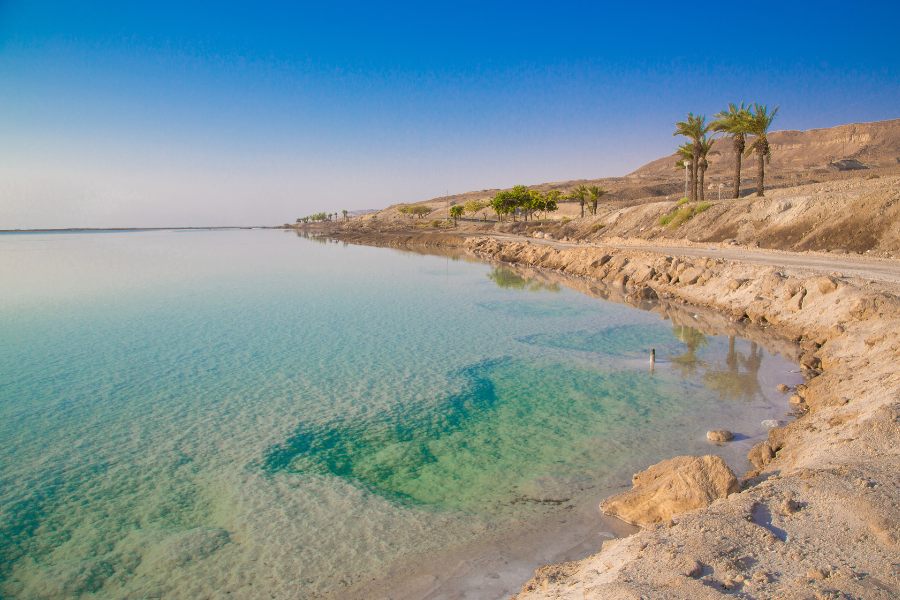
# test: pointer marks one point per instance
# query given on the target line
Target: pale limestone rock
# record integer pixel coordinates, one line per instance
(719, 435)
(796, 301)
(826, 285)
(690, 276)
(673, 486)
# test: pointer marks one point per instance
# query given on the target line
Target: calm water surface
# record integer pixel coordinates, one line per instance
(259, 414)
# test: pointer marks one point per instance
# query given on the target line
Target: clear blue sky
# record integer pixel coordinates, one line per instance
(164, 114)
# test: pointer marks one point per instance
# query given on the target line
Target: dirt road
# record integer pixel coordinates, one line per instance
(877, 269)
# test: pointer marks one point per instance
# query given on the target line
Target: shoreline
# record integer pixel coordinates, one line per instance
(834, 462)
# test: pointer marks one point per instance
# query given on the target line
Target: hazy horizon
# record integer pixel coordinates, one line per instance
(165, 116)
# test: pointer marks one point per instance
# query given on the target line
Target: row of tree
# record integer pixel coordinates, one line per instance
(529, 202)
(322, 217)
(736, 123)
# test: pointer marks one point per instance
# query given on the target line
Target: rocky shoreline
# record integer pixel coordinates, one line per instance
(819, 514)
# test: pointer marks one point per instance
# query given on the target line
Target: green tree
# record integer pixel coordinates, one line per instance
(551, 201)
(694, 128)
(734, 123)
(579, 194)
(595, 192)
(345, 214)
(415, 210)
(503, 203)
(685, 154)
(705, 150)
(758, 125)
(456, 212)
(474, 206)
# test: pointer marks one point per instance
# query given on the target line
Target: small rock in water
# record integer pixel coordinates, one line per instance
(719, 435)
(783, 388)
(795, 399)
(770, 423)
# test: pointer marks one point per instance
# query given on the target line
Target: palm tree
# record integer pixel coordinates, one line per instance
(595, 191)
(694, 128)
(733, 123)
(456, 212)
(578, 194)
(345, 214)
(758, 124)
(705, 147)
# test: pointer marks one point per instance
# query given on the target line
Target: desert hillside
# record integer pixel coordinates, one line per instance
(798, 158)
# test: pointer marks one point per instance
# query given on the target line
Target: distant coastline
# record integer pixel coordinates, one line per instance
(112, 229)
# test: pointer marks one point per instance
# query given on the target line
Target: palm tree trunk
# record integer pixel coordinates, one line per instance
(694, 168)
(738, 151)
(582, 208)
(702, 185)
(760, 174)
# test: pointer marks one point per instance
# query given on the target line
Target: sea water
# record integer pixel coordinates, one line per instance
(261, 414)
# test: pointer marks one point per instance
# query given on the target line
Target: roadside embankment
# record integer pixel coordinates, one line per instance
(819, 515)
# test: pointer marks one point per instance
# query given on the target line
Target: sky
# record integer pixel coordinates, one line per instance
(120, 114)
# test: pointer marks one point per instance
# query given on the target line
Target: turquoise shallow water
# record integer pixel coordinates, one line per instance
(255, 413)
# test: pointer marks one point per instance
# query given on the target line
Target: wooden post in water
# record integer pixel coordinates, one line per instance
(653, 355)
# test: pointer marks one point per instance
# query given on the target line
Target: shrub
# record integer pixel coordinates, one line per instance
(598, 226)
(682, 201)
(683, 214)
(435, 223)
(565, 220)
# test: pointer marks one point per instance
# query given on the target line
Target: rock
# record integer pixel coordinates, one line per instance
(761, 455)
(826, 285)
(863, 308)
(796, 399)
(673, 486)
(816, 574)
(770, 423)
(735, 284)
(621, 280)
(796, 301)
(690, 276)
(538, 235)
(643, 273)
(810, 361)
(783, 388)
(719, 435)
(646, 293)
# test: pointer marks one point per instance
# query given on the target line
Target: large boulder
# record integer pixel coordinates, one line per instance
(673, 486)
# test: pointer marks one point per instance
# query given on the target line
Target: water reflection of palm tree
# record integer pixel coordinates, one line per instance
(730, 383)
(507, 279)
(688, 362)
